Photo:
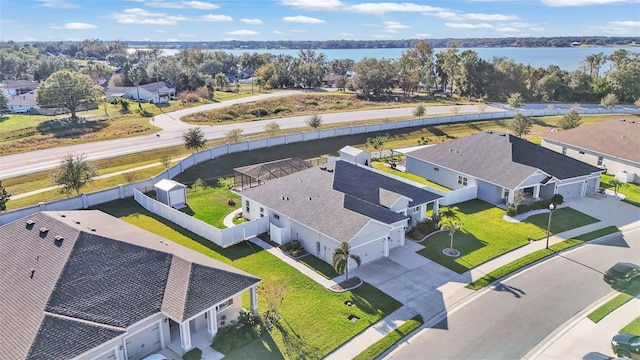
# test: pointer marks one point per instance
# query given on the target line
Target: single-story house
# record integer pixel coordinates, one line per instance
(324, 206)
(171, 193)
(612, 145)
(85, 285)
(156, 92)
(500, 164)
(355, 155)
(25, 103)
(18, 87)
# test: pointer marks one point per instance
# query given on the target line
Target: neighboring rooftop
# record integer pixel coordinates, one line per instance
(501, 159)
(619, 138)
(100, 275)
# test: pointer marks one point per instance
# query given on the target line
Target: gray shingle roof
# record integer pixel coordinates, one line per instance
(104, 272)
(337, 199)
(61, 339)
(501, 159)
(601, 136)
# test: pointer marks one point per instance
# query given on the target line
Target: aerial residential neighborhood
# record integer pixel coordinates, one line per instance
(302, 180)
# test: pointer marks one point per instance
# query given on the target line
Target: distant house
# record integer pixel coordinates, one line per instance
(18, 87)
(612, 145)
(156, 93)
(85, 285)
(25, 103)
(322, 207)
(500, 164)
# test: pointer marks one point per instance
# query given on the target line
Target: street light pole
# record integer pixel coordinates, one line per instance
(551, 208)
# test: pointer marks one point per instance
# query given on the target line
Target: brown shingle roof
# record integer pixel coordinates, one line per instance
(617, 138)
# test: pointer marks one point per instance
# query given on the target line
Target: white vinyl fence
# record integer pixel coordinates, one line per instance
(122, 191)
(221, 237)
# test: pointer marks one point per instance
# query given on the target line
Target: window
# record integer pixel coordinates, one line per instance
(276, 216)
(564, 151)
(246, 203)
(436, 168)
(600, 160)
(581, 152)
(224, 305)
(261, 212)
(462, 180)
(505, 193)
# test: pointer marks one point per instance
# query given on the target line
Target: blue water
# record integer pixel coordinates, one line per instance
(566, 58)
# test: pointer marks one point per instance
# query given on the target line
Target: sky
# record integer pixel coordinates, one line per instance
(207, 20)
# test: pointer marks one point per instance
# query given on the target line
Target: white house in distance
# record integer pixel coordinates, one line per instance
(156, 93)
(171, 193)
(339, 202)
(613, 145)
(85, 285)
(500, 164)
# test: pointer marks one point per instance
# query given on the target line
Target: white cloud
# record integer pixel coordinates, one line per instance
(144, 17)
(313, 4)
(186, 35)
(619, 28)
(450, 15)
(242, 32)
(57, 4)
(382, 36)
(345, 34)
(278, 32)
(302, 19)
(422, 35)
(200, 5)
(216, 18)
(161, 31)
(298, 31)
(383, 8)
(560, 3)
(468, 26)
(73, 26)
(252, 21)
(394, 26)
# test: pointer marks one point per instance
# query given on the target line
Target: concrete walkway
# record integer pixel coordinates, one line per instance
(228, 220)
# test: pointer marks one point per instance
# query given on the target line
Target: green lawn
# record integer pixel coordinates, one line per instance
(319, 266)
(608, 307)
(633, 327)
(390, 339)
(537, 255)
(211, 205)
(631, 191)
(484, 235)
(314, 320)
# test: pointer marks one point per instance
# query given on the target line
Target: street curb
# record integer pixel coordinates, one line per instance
(566, 326)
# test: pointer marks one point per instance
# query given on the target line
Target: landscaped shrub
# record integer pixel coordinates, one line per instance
(259, 112)
(511, 210)
(190, 97)
(225, 117)
(541, 204)
(193, 354)
(238, 333)
(557, 199)
(281, 109)
(424, 228)
(247, 117)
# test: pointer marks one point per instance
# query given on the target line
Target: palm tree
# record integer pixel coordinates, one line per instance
(341, 258)
(453, 225)
(259, 80)
(136, 75)
(220, 80)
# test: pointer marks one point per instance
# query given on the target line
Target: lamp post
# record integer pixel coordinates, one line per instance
(551, 208)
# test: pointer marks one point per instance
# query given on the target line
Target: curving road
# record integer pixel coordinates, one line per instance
(173, 128)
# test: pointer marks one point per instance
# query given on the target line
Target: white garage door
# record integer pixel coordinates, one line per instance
(143, 343)
(370, 252)
(110, 355)
(570, 190)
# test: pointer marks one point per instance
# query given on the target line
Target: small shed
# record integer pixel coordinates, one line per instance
(355, 155)
(172, 193)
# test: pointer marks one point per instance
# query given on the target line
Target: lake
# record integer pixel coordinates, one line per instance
(566, 58)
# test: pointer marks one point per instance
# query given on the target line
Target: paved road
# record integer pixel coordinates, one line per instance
(25, 163)
(510, 319)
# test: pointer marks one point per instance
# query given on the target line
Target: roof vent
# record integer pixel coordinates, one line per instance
(282, 197)
(58, 240)
(44, 230)
(77, 222)
(93, 229)
(489, 132)
(310, 198)
(63, 215)
(30, 222)
(33, 271)
(503, 134)
(330, 170)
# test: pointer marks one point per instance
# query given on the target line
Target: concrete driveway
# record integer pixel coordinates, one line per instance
(606, 208)
(417, 282)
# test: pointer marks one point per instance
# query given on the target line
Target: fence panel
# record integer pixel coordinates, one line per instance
(275, 141)
(238, 147)
(343, 131)
(293, 138)
(374, 128)
(360, 129)
(328, 133)
(459, 195)
(102, 196)
(258, 144)
(308, 136)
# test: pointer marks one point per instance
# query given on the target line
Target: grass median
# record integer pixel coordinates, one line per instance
(608, 307)
(537, 255)
(390, 339)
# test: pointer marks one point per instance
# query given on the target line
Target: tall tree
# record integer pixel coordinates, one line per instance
(340, 259)
(67, 89)
(408, 75)
(194, 139)
(570, 120)
(4, 197)
(422, 52)
(4, 103)
(521, 125)
(515, 100)
(136, 75)
(74, 173)
(220, 80)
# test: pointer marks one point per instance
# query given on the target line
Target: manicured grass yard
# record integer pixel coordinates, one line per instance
(484, 235)
(631, 191)
(608, 307)
(319, 266)
(390, 339)
(211, 205)
(314, 320)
